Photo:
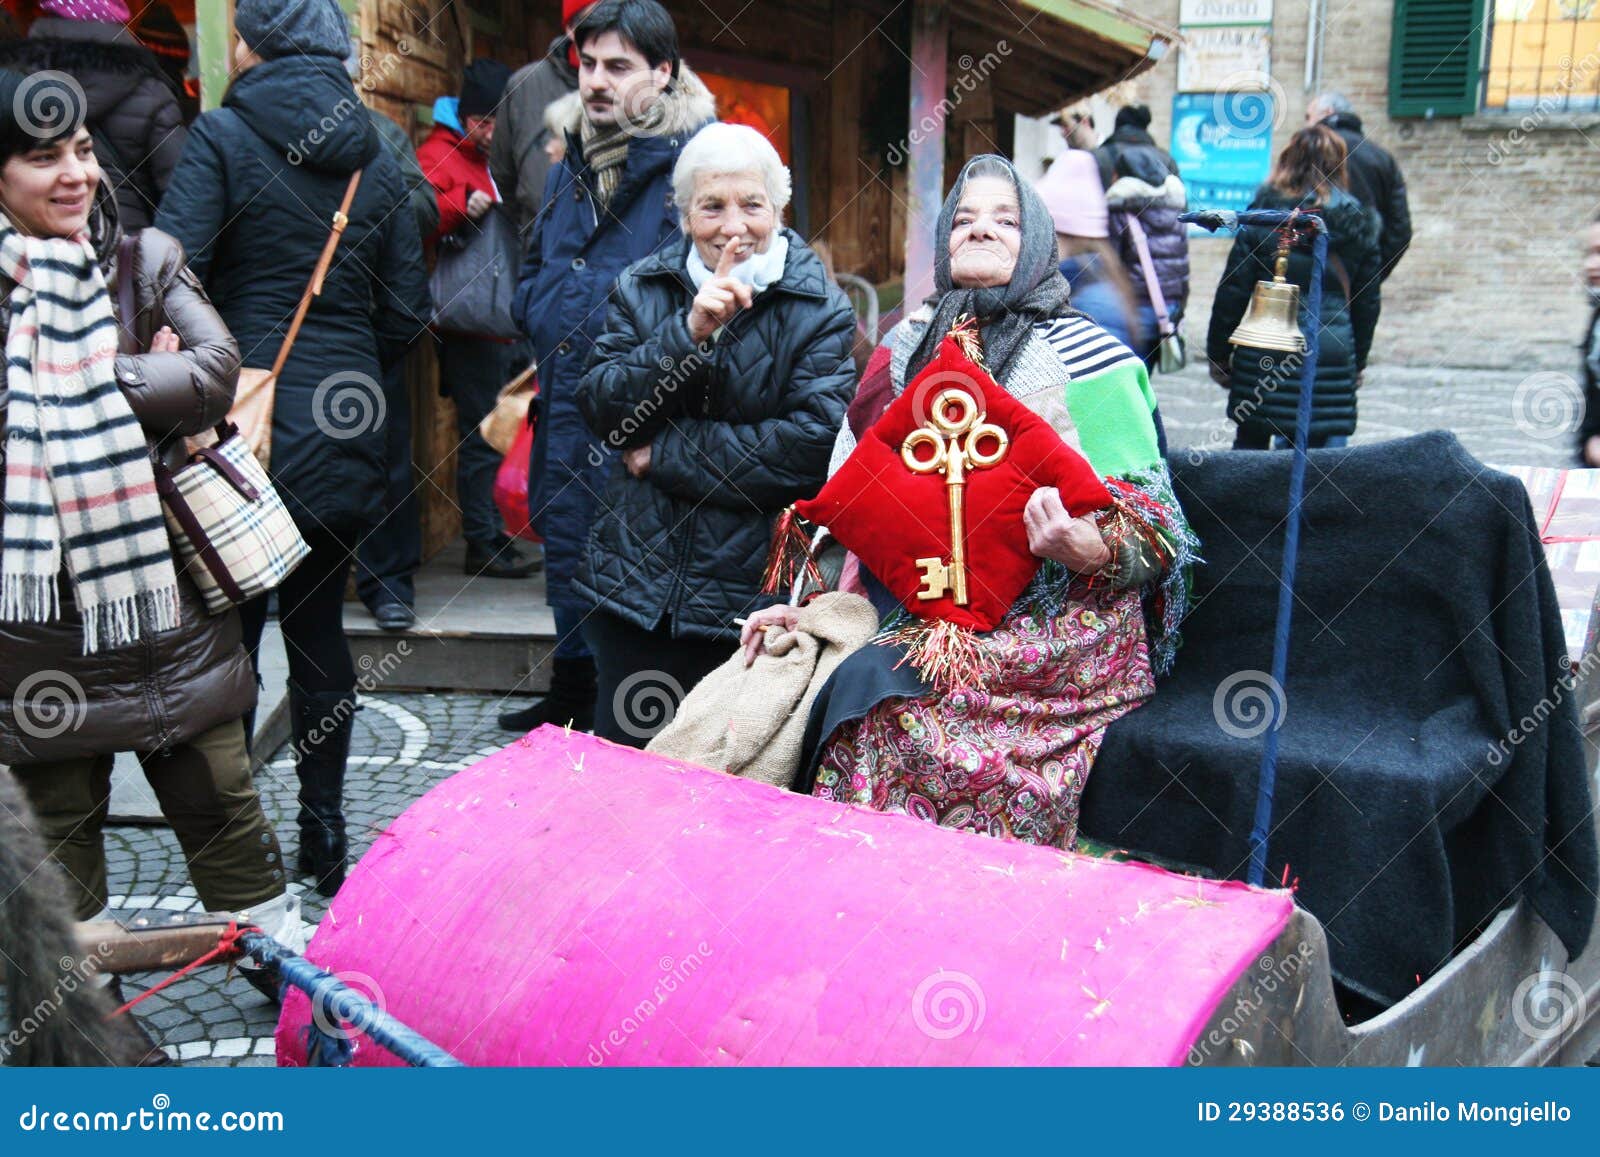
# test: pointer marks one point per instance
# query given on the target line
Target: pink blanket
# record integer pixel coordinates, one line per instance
(571, 902)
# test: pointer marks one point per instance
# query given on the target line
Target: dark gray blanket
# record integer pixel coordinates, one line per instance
(1431, 769)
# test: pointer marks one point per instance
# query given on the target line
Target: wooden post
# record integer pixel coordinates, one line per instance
(930, 51)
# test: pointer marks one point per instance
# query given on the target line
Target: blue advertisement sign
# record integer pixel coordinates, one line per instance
(1222, 142)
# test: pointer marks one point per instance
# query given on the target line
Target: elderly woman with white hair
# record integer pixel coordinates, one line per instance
(719, 384)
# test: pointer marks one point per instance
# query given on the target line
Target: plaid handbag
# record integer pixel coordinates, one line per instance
(232, 532)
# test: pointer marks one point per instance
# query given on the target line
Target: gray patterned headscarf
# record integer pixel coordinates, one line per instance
(1006, 313)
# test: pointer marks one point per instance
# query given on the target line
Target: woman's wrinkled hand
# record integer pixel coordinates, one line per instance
(1054, 534)
(164, 341)
(720, 298)
(753, 636)
(637, 461)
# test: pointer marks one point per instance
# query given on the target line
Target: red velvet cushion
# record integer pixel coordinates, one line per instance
(891, 516)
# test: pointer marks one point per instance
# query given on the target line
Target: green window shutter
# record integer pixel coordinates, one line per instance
(1436, 57)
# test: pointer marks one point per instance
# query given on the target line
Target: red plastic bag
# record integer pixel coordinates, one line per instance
(511, 487)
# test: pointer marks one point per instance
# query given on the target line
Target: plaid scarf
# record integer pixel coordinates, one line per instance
(78, 480)
(606, 150)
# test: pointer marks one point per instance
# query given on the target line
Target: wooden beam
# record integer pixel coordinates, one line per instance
(930, 54)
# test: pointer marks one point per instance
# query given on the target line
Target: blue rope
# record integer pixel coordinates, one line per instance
(1311, 325)
(340, 1004)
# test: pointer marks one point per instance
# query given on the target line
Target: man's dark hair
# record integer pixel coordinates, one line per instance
(642, 23)
(42, 109)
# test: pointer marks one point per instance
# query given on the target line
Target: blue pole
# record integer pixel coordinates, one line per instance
(342, 1004)
(1267, 781)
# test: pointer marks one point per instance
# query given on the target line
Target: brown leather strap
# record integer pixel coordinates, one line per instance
(127, 336)
(167, 488)
(314, 287)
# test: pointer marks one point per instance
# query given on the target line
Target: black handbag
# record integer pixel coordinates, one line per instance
(475, 277)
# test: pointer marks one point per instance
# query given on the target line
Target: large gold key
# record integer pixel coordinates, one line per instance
(956, 434)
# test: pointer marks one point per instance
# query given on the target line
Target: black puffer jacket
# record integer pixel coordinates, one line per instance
(253, 201)
(131, 105)
(172, 685)
(1264, 393)
(738, 430)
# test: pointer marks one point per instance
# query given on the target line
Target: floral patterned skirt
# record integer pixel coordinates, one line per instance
(1010, 761)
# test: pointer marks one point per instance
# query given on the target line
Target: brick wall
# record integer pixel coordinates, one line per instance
(1492, 277)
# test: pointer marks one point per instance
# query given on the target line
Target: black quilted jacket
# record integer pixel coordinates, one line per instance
(738, 430)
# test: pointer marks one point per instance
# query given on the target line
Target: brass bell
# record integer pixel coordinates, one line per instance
(1273, 322)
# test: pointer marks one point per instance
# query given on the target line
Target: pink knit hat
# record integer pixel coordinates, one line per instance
(110, 11)
(1072, 191)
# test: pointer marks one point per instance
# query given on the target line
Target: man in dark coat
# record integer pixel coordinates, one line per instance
(132, 107)
(387, 563)
(517, 156)
(1373, 173)
(607, 205)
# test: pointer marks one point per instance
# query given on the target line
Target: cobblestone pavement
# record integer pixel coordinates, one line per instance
(401, 747)
(1502, 418)
(404, 744)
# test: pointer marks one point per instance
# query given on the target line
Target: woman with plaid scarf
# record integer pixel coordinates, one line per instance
(105, 644)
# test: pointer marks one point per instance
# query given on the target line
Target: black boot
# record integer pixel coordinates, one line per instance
(570, 700)
(322, 723)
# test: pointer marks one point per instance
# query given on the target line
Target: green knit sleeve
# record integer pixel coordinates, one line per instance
(1112, 411)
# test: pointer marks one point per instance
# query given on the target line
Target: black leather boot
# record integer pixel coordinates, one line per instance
(570, 699)
(322, 722)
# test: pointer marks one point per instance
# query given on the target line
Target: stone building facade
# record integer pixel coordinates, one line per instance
(1500, 201)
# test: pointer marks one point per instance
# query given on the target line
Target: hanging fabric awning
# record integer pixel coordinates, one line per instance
(1056, 51)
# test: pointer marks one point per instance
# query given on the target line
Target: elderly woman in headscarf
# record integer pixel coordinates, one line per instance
(1082, 645)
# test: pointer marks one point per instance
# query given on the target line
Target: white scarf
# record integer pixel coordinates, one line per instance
(78, 480)
(758, 271)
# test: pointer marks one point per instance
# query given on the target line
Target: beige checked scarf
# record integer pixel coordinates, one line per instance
(606, 150)
(78, 479)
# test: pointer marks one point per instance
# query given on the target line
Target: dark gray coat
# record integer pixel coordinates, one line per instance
(738, 430)
(253, 201)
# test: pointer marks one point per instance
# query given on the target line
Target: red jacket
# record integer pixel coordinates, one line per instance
(455, 169)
